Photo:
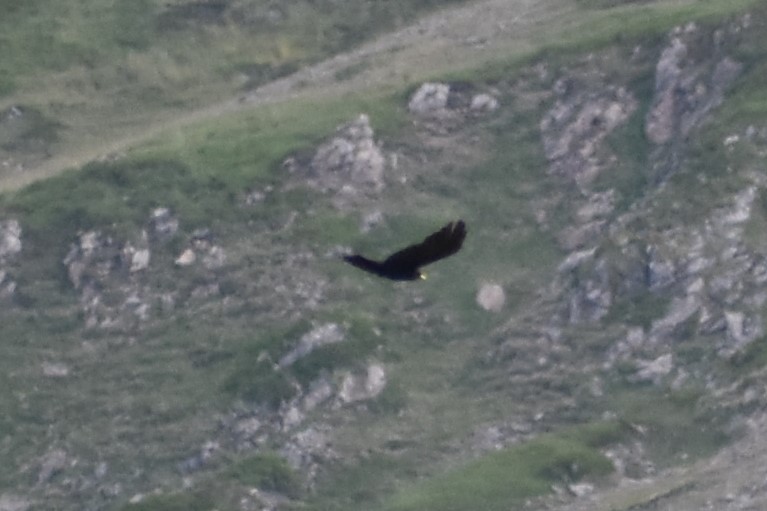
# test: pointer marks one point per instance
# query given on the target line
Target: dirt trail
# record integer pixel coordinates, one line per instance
(470, 34)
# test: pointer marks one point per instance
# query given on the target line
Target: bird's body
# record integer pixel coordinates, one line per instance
(406, 264)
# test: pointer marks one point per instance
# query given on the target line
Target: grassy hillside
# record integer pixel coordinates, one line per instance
(143, 400)
(87, 74)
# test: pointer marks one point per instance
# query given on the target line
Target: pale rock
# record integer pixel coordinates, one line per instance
(482, 103)
(319, 392)
(491, 297)
(186, 258)
(362, 387)
(681, 310)
(139, 260)
(581, 489)
(248, 427)
(215, 258)
(10, 502)
(101, 470)
(55, 369)
(52, 463)
(429, 98)
(328, 333)
(575, 259)
(164, 225)
(654, 370)
(10, 239)
(371, 220)
(351, 157)
(659, 123)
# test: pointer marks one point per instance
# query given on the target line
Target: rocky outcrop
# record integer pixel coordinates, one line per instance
(574, 129)
(713, 282)
(203, 249)
(361, 387)
(96, 262)
(429, 99)
(329, 333)
(163, 225)
(351, 158)
(443, 108)
(688, 86)
(10, 240)
(10, 249)
(110, 275)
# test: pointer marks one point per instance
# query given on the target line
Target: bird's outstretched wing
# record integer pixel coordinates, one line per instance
(443, 243)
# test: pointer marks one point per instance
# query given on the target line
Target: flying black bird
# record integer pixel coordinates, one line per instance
(405, 264)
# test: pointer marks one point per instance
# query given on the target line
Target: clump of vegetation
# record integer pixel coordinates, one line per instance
(266, 472)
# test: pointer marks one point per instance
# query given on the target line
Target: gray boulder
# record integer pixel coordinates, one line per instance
(430, 98)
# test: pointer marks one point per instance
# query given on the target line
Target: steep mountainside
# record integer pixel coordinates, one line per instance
(179, 331)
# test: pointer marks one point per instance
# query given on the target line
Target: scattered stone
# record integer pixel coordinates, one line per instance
(661, 271)
(483, 103)
(55, 369)
(574, 129)
(575, 259)
(581, 489)
(101, 470)
(731, 140)
(215, 258)
(10, 502)
(371, 220)
(659, 124)
(319, 392)
(254, 197)
(10, 239)
(201, 459)
(429, 98)
(88, 253)
(163, 224)
(491, 297)
(52, 463)
(248, 427)
(139, 260)
(654, 370)
(351, 157)
(328, 333)
(680, 310)
(186, 258)
(306, 449)
(356, 387)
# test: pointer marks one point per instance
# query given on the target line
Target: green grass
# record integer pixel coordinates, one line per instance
(173, 502)
(752, 358)
(267, 472)
(504, 479)
(108, 71)
(676, 425)
(640, 309)
(38, 37)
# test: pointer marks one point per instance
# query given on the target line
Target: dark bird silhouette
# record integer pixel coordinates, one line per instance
(406, 264)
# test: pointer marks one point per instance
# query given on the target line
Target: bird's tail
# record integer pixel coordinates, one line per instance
(363, 263)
